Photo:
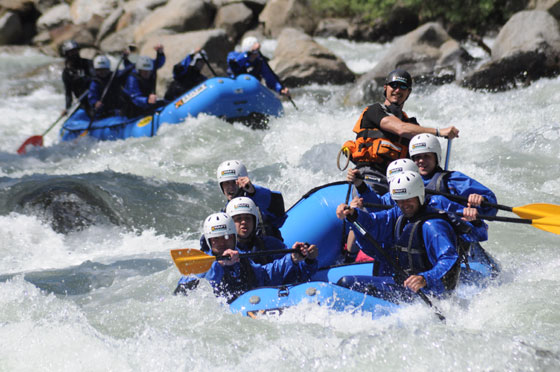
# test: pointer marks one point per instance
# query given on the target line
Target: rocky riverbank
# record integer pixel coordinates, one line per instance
(526, 48)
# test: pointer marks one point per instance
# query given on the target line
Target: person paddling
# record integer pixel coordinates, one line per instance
(425, 151)
(140, 85)
(234, 181)
(383, 131)
(76, 75)
(250, 61)
(234, 276)
(421, 240)
(112, 101)
(187, 74)
(474, 231)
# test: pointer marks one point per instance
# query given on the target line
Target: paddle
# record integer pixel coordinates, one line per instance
(208, 64)
(550, 224)
(448, 154)
(105, 90)
(537, 210)
(277, 78)
(193, 261)
(398, 270)
(38, 139)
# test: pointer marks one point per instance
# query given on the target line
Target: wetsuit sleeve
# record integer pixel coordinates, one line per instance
(461, 184)
(272, 244)
(284, 271)
(132, 89)
(93, 93)
(181, 68)
(236, 63)
(267, 203)
(370, 196)
(269, 77)
(441, 246)
(215, 274)
(380, 226)
(479, 229)
(275, 272)
(159, 61)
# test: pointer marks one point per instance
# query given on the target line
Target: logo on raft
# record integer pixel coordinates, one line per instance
(190, 95)
(144, 121)
(419, 145)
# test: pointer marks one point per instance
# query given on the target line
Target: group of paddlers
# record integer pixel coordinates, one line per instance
(131, 91)
(392, 219)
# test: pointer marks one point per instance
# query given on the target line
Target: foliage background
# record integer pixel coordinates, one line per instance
(459, 17)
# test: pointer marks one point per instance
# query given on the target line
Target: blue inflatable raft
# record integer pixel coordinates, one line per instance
(241, 99)
(313, 219)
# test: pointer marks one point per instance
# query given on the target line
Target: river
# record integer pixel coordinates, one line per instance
(86, 279)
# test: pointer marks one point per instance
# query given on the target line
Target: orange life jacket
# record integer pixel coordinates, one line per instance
(372, 146)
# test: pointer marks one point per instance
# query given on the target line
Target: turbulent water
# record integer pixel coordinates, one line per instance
(86, 227)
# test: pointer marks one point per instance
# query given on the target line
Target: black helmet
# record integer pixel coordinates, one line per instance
(399, 75)
(69, 45)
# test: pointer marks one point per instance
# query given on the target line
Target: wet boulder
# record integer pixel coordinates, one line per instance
(83, 10)
(300, 60)
(428, 53)
(278, 14)
(10, 28)
(54, 17)
(235, 19)
(336, 27)
(527, 48)
(66, 205)
(176, 16)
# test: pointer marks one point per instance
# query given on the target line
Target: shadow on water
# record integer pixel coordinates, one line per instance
(67, 203)
(89, 275)
(74, 202)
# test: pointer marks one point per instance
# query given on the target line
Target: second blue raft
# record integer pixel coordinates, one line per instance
(242, 99)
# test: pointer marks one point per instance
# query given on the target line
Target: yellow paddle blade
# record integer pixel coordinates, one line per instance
(538, 210)
(192, 261)
(550, 224)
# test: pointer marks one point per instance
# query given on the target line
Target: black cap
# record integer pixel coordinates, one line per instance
(399, 75)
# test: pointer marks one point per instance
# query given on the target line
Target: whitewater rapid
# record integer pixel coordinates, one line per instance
(106, 301)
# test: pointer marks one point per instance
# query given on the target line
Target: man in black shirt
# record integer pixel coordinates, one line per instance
(384, 131)
(77, 73)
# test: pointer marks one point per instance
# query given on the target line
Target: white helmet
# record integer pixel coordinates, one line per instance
(247, 43)
(144, 63)
(231, 170)
(407, 185)
(398, 166)
(425, 143)
(242, 205)
(100, 62)
(218, 224)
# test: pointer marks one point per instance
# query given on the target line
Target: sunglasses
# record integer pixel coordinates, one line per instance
(395, 85)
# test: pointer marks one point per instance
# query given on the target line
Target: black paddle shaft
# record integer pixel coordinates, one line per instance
(260, 253)
(460, 198)
(398, 270)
